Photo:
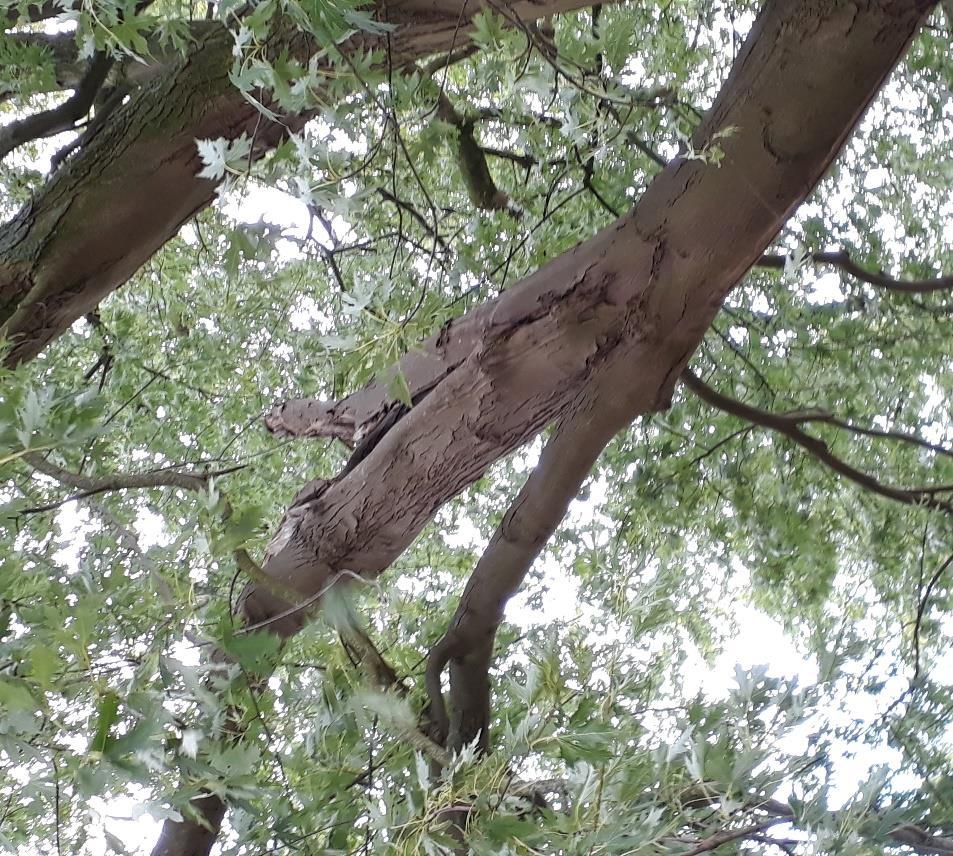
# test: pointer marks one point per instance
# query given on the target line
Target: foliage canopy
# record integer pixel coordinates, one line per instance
(319, 266)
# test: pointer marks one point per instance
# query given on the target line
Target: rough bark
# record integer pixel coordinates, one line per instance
(133, 185)
(639, 294)
(191, 838)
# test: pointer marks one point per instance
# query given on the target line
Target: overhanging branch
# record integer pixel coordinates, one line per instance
(61, 118)
(89, 486)
(789, 425)
(471, 161)
(841, 259)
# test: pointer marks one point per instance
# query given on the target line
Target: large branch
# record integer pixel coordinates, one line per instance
(643, 291)
(61, 118)
(531, 519)
(135, 182)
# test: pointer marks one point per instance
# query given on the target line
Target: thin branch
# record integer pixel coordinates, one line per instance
(382, 674)
(406, 206)
(88, 486)
(841, 259)
(906, 834)
(713, 842)
(789, 426)
(921, 611)
(900, 436)
(62, 118)
(448, 59)
(471, 161)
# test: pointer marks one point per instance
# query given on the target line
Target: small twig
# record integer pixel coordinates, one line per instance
(921, 611)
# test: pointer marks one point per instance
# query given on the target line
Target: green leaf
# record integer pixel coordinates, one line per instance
(106, 717)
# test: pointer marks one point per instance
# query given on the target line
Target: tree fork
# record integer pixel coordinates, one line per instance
(641, 293)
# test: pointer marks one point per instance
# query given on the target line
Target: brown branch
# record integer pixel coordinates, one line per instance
(471, 161)
(713, 842)
(382, 675)
(524, 160)
(789, 426)
(387, 196)
(916, 838)
(61, 118)
(921, 611)
(88, 486)
(531, 519)
(446, 60)
(906, 834)
(900, 436)
(842, 260)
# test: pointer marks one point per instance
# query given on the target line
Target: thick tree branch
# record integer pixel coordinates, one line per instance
(612, 321)
(789, 425)
(83, 236)
(641, 293)
(531, 519)
(69, 68)
(841, 259)
(61, 118)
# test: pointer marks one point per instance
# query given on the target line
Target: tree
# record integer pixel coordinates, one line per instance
(449, 162)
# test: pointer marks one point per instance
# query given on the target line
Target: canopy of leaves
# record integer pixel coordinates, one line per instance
(329, 259)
